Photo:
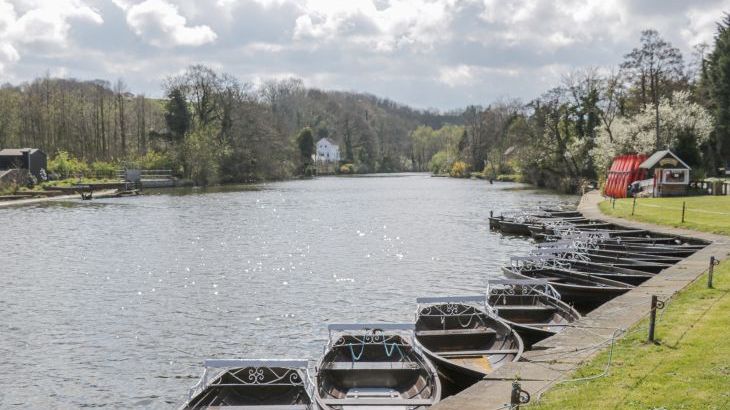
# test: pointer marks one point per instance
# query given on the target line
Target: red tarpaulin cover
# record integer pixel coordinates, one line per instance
(624, 170)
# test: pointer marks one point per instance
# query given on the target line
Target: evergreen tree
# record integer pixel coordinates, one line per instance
(305, 141)
(717, 79)
(177, 116)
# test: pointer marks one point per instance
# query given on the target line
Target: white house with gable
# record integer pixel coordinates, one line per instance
(327, 151)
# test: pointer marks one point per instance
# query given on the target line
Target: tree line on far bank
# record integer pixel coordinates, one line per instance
(570, 134)
(212, 128)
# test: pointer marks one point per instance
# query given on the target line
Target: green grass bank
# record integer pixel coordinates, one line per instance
(702, 213)
(689, 367)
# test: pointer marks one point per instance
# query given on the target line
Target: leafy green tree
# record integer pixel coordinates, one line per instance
(177, 115)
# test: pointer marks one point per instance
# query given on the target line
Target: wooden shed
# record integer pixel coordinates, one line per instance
(31, 159)
(671, 174)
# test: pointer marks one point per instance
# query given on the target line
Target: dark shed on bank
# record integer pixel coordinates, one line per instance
(31, 159)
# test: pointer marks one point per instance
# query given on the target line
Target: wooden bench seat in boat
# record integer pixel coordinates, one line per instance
(263, 407)
(441, 332)
(525, 308)
(372, 366)
(454, 353)
(371, 401)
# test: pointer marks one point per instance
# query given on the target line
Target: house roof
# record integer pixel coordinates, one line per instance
(658, 156)
(328, 140)
(16, 152)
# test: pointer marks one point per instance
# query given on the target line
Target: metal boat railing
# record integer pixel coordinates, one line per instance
(293, 372)
(496, 287)
(393, 336)
(459, 307)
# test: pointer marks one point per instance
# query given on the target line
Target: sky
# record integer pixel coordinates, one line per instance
(441, 54)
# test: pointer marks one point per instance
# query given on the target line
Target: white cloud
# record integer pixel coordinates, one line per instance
(464, 75)
(444, 53)
(160, 23)
(43, 23)
(399, 24)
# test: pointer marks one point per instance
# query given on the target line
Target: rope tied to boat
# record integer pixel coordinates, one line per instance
(356, 357)
(393, 347)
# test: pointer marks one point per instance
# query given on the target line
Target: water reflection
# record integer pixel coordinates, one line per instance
(117, 301)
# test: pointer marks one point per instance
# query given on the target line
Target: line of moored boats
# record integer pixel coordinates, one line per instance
(455, 341)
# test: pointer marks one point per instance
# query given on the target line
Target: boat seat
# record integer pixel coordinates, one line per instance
(371, 366)
(368, 401)
(455, 353)
(262, 407)
(525, 308)
(449, 332)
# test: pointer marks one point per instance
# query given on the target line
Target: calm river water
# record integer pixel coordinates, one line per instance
(116, 302)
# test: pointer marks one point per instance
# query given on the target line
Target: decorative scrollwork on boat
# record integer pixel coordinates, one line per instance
(497, 295)
(262, 376)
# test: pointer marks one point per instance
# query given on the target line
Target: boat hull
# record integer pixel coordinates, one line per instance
(584, 298)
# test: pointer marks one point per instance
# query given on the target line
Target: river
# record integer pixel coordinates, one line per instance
(116, 302)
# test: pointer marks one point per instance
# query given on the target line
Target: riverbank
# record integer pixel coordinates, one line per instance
(676, 372)
(686, 368)
(107, 193)
(558, 358)
(701, 213)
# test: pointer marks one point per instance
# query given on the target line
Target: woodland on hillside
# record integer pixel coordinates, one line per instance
(213, 128)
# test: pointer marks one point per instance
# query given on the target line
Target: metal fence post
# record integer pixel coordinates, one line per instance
(713, 262)
(684, 206)
(652, 318)
(518, 396)
(633, 208)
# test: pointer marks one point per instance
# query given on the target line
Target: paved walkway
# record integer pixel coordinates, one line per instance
(555, 358)
(30, 201)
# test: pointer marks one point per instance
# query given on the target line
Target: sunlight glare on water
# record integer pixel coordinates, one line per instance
(116, 302)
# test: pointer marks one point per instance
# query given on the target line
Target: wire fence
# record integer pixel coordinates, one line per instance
(623, 333)
(683, 213)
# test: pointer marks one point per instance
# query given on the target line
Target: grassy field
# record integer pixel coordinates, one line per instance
(703, 213)
(689, 368)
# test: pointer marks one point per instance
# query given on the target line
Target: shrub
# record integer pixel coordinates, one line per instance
(347, 169)
(153, 160)
(103, 169)
(439, 163)
(67, 166)
(362, 168)
(459, 169)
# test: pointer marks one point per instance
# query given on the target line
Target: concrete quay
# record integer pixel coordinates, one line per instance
(554, 359)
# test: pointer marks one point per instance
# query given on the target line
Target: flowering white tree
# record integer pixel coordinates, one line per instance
(637, 134)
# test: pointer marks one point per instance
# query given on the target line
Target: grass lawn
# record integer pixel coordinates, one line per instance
(688, 369)
(703, 213)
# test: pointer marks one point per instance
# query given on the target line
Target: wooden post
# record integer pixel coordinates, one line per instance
(652, 318)
(684, 206)
(711, 271)
(633, 208)
(613, 202)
